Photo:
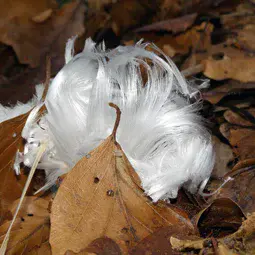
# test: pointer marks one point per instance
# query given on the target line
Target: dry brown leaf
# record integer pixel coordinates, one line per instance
(176, 25)
(237, 119)
(44, 249)
(30, 229)
(127, 14)
(11, 186)
(32, 40)
(244, 163)
(230, 87)
(244, 14)
(241, 190)
(215, 52)
(241, 69)
(158, 242)
(220, 218)
(240, 242)
(100, 198)
(99, 4)
(245, 38)
(103, 246)
(223, 155)
(197, 37)
(205, 245)
(242, 139)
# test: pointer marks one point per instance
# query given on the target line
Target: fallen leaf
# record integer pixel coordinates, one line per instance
(243, 15)
(229, 88)
(223, 155)
(217, 52)
(220, 218)
(176, 25)
(245, 38)
(197, 37)
(244, 163)
(30, 229)
(240, 136)
(133, 13)
(240, 242)
(103, 246)
(241, 190)
(158, 242)
(241, 118)
(227, 68)
(99, 4)
(46, 34)
(43, 249)
(99, 198)
(11, 140)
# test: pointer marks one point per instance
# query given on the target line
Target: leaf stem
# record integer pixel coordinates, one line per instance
(117, 121)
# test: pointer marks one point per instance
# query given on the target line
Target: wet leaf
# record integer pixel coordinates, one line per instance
(48, 32)
(31, 228)
(99, 198)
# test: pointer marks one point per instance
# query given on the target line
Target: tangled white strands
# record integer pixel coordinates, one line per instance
(160, 131)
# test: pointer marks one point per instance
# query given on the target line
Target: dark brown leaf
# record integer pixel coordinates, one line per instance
(32, 40)
(176, 25)
(220, 218)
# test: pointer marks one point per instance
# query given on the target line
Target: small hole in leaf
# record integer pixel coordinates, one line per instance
(218, 56)
(22, 219)
(96, 180)
(110, 193)
(30, 214)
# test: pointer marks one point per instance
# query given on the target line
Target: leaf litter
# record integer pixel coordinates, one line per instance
(215, 42)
